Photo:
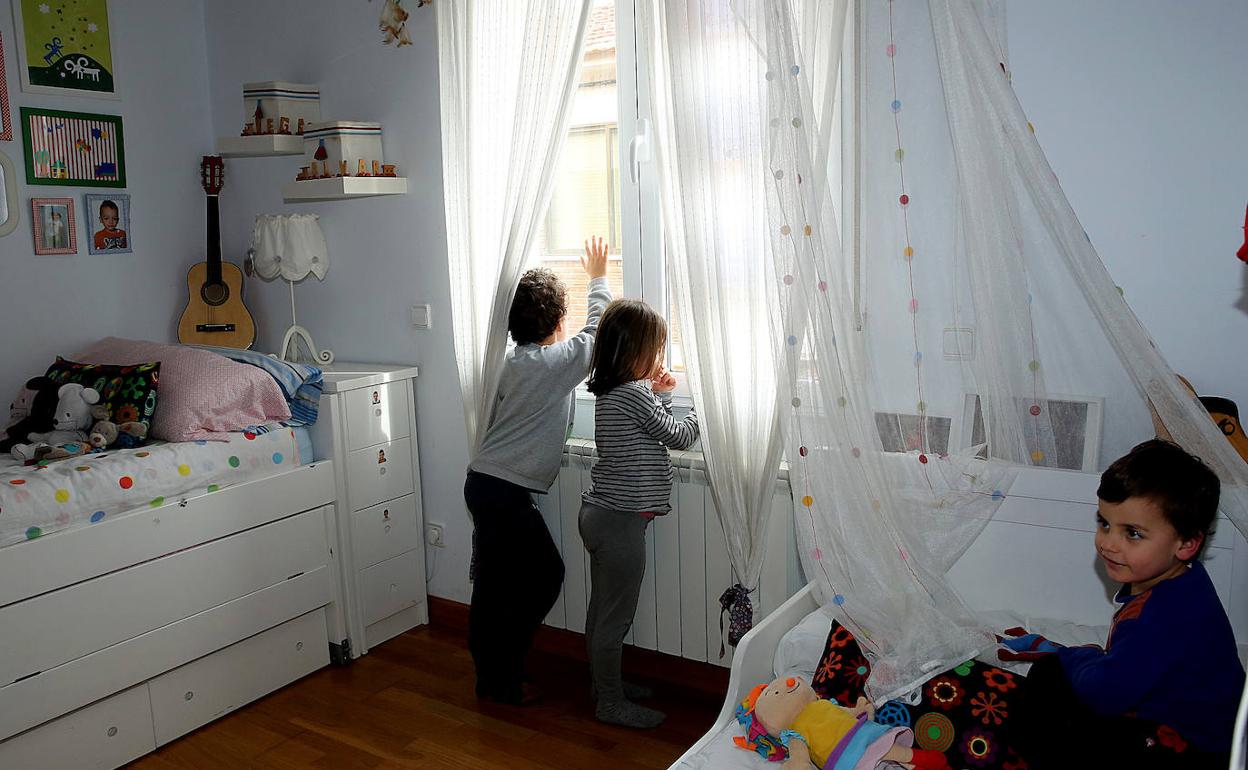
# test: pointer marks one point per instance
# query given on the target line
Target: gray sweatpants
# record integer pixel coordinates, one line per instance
(616, 541)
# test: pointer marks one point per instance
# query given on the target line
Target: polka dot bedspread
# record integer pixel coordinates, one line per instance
(38, 500)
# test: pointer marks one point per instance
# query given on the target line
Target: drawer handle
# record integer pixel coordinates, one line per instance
(189, 694)
(394, 587)
(382, 470)
(387, 528)
(112, 731)
(298, 646)
(377, 412)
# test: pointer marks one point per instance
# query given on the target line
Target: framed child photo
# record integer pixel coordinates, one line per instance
(108, 221)
(80, 149)
(64, 47)
(53, 224)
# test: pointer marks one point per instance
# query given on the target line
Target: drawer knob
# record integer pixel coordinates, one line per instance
(382, 471)
(387, 528)
(112, 731)
(298, 646)
(394, 587)
(377, 412)
(189, 695)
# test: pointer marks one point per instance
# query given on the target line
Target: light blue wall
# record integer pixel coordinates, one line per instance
(52, 305)
(386, 254)
(1142, 109)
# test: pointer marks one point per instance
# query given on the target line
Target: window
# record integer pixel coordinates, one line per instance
(596, 192)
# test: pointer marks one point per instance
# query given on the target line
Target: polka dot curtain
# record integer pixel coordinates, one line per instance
(938, 320)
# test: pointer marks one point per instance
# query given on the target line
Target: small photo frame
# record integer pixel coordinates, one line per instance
(64, 47)
(108, 222)
(79, 149)
(53, 224)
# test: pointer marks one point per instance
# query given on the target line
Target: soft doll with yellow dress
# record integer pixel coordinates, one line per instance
(787, 717)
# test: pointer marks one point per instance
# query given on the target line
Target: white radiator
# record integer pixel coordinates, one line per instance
(687, 565)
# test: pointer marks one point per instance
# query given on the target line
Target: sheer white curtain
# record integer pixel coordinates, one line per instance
(508, 72)
(968, 332)
(710, 155)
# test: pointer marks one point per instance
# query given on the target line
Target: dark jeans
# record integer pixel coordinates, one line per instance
(1054, 731)
(518, 577)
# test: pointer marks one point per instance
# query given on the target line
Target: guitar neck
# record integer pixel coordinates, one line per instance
(214, 240)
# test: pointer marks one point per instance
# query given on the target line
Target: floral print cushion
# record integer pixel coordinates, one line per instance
(127, 392)
(963, 713)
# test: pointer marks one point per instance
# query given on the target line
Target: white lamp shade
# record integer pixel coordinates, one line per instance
(291, 246)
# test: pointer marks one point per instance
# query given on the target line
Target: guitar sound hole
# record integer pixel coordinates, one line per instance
(214, 293)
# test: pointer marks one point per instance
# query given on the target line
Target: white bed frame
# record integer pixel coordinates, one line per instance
(753, 661)
(121, 636)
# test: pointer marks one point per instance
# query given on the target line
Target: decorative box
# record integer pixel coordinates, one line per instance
(343, 148)
(278, 107)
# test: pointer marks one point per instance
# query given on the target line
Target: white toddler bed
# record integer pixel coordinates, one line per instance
(790, 641)
(212, 584)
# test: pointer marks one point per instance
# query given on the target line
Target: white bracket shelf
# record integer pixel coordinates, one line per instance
(340, 187)
(259, 145)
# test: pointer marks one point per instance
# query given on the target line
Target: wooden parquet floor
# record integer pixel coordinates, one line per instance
(410, 704)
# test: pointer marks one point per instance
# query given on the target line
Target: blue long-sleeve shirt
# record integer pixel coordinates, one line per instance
(1170, 658)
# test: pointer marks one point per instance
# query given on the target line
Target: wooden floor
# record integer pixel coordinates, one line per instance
(410, 704)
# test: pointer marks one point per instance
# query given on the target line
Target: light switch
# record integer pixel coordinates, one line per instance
(422, 316)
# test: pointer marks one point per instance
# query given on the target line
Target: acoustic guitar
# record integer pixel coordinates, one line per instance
(215, 314)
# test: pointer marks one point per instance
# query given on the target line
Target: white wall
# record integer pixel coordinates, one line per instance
(1140, 106)
(52, 305)
(386, 254)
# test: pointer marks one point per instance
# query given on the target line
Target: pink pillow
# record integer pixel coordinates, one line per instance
(202, 393)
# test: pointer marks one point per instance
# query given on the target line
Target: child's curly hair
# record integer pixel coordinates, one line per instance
(540, 304)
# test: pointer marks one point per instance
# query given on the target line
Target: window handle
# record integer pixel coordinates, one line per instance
(639, 149)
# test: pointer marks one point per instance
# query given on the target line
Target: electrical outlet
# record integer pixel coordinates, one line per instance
(433, 535)
(422, 316)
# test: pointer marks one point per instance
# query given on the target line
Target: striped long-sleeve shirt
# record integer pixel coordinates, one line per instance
(633, 428)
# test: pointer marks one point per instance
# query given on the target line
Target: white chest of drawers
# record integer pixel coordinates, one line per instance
(367, 425)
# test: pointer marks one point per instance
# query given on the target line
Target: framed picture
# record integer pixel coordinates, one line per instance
(1072, 425)
(108, 221)
(64, 47)
(52, 220)
(81, 149)
(6, 121)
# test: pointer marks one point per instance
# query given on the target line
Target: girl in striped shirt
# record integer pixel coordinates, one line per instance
(632, 482)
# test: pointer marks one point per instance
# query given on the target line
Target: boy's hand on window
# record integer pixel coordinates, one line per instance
(1017, 644)
(663, 381)
(595, 260)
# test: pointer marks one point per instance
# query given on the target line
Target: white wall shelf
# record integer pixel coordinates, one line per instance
(339, 188)
(259, 145)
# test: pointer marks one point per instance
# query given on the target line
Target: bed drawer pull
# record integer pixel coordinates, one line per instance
(112, 731)
(298, 646)
(189, 694)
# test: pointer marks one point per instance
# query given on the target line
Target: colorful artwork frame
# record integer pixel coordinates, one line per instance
(6, 120)
(49, 239)
(64, 47)
(100, 241)
(81, 149)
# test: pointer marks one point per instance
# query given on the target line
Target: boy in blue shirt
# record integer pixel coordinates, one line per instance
(1164, 691)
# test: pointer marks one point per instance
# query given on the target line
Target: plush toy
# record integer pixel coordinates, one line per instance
(106, 434)
(70, 421)
(787, 716)
(130, 434)
(32, 411)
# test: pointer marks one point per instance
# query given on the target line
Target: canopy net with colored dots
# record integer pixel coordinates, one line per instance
(942, 323)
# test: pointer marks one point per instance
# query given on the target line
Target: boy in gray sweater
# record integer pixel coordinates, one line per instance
(517, 570)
